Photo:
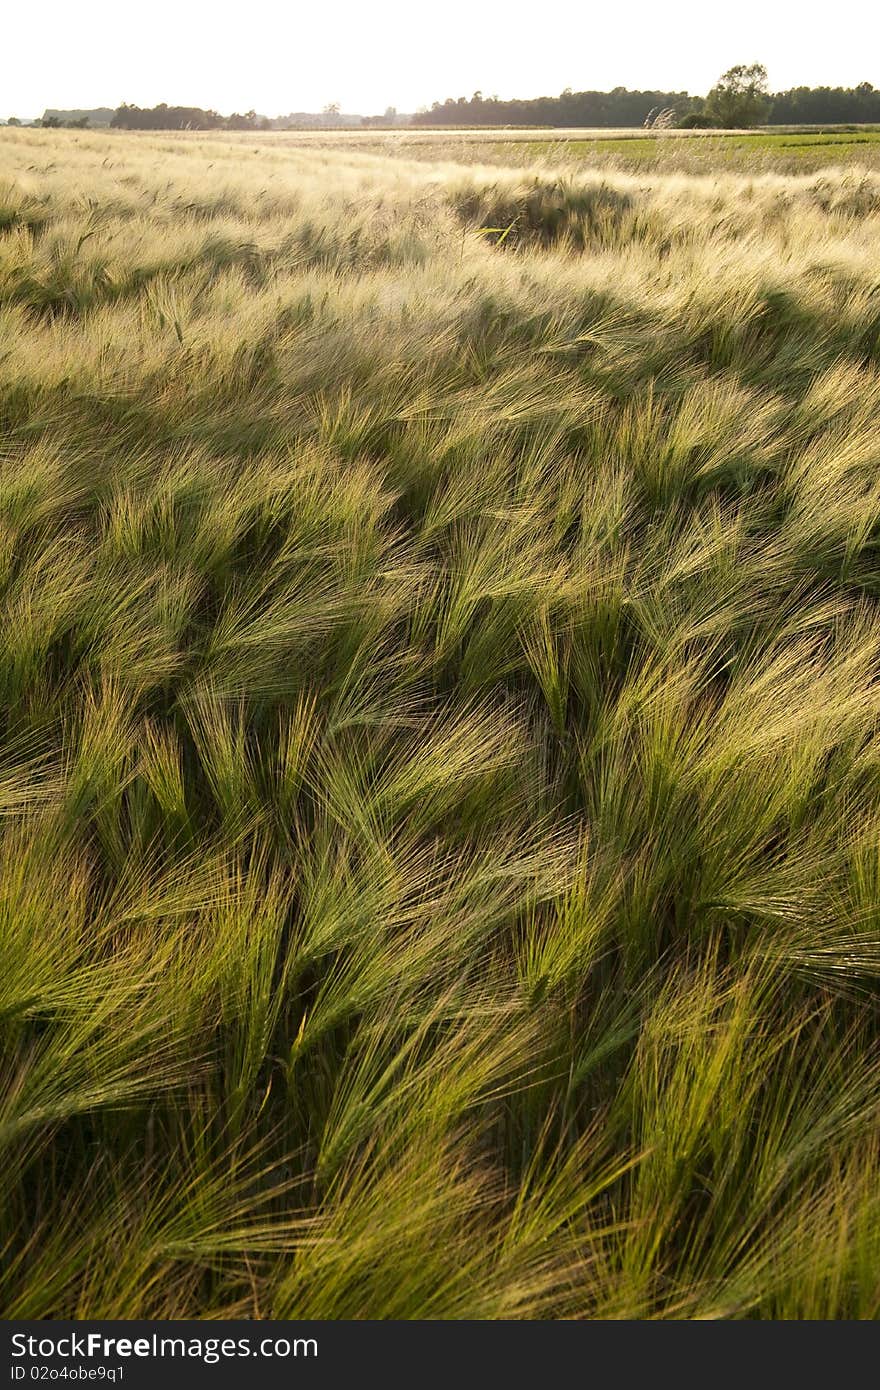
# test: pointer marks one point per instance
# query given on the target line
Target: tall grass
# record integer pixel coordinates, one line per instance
(439, 761)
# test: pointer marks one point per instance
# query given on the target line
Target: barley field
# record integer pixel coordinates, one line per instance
(440, 735)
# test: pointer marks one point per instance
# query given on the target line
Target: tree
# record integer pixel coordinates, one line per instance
(13, 120)
(739, 98)
(238, 122)
(696, 120)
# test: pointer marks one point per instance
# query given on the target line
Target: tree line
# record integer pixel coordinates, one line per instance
(164, 117)
(739, 99)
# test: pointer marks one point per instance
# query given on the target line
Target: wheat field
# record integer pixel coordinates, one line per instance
(439, 758)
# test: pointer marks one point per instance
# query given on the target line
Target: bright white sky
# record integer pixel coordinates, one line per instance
(281, 55)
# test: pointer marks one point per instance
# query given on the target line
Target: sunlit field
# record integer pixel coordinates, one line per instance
(439, 758)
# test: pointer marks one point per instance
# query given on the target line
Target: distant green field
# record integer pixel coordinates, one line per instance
(788, 150)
